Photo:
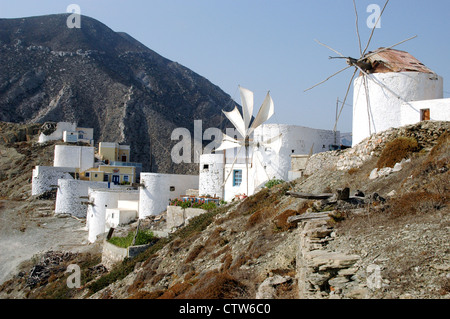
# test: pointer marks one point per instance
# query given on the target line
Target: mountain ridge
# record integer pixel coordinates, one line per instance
(106, 80)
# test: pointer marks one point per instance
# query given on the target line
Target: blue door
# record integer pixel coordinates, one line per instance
(115, 179)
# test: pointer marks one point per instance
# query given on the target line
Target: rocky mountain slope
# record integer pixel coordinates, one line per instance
(387, 238)
(105, 80)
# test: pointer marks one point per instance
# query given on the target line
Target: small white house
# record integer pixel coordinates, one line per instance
(126, 212)
(81, 157)
(157, 189)
(99, 201)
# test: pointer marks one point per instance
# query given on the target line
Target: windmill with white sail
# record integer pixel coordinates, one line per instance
(246, 127)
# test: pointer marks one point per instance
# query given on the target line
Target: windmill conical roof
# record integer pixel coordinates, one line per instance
(392, 60)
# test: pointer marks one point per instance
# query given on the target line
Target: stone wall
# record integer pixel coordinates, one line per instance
(321, 272)
(425, 133)
(177, 216)
(113, 254)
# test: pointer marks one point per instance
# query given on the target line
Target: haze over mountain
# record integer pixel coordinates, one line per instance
(105, 80)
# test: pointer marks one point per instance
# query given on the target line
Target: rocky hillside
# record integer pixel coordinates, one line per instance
(337, 232)
(105, 80)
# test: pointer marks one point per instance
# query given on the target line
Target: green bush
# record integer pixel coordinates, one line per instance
(143, 237)
(273, 182)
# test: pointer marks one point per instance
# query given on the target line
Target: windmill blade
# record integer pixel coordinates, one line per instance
(366, 89)
(265, 112)
(357, 28)
(374, 27)
(312, 87)
(247, 105)
(384, 49)
(228, 142)
(232, 166)
(235, 117)
(328, 47)
(271, 140)
(345, 99)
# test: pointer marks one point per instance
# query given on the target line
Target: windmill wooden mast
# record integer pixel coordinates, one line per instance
(362, 63)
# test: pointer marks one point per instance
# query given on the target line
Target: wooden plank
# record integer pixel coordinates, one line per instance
(309, 196)
(309, 216)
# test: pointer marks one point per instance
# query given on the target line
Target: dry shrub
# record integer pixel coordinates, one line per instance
(194, 253)
(353, 170)
(146, 295)
(418, 202)
(281, 221)
(176, 290)
(216, 285)
(397, 150)
(227, 260)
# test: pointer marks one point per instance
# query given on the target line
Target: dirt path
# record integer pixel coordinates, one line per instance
(28, 228)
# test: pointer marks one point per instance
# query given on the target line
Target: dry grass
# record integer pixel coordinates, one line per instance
(397, 150)
(216, 285)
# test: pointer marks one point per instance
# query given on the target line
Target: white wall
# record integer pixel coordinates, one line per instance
(101, 200)
(295, 140)
(155, 194)
(81, 157)
(45, 178)
(274, 160)
(439, 111)
(211, 179)
(68, 196)
(58, 133)
(385, 104)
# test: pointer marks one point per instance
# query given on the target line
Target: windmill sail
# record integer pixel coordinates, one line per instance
(247, 105)
(265, 112)
(242, 125)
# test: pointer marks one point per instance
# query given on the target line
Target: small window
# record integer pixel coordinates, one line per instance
(87, 174)
(95, 175)
(293, 151)
(105, 178)
(206, 166)
(125, 178)
(237, 177)
(425, 114)
(172, 188)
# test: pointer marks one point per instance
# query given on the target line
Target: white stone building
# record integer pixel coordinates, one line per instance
(45, 178)
(80, 157)
(396, 84)
(264, 162)
(72, 196)
(101, 200)
(157, 189)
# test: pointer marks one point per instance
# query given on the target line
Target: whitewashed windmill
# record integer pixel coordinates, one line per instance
(361, 64)
(242, 125)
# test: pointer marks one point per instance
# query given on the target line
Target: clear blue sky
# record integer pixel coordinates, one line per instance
(269, 44)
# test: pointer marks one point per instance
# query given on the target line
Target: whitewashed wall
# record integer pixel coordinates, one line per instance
(211, 179)
(81, 157)
(68, 196)
(101, 200)
(295, 140)
(45, 178)
(439, 110)
(385, 104)
(156, 192)
(58, 133)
